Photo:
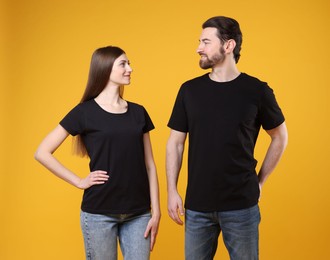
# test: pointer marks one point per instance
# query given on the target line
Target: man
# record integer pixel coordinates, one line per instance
(222, 111)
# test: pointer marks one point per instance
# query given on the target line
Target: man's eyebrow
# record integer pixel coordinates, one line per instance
(204, 40)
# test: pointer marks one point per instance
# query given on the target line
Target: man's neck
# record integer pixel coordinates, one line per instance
(224, 73)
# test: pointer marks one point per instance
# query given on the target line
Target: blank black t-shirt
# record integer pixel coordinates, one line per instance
(223, 120)
(114, 143)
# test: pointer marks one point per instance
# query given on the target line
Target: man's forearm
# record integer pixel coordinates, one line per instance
(173, 164)
(274, 153)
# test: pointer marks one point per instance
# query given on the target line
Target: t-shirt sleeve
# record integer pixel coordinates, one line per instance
(73, 122)
(178, 120)
(271, 114)
(148, 122)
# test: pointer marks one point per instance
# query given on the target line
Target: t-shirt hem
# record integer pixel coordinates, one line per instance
(222, 208)
(274, 125)
(117, 211)
(177, 128)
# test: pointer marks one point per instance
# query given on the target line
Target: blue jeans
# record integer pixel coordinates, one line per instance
(239, 230)
(102, 231)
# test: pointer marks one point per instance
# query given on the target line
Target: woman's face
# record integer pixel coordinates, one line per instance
(121, 71)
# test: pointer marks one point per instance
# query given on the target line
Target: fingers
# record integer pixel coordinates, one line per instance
(94, 178)
(175, 207)
(181, 210)
(175, 212)
(146, 234)
(152, 240)
(152, 230)
(98, 177)
(153, 235)
(175, 217)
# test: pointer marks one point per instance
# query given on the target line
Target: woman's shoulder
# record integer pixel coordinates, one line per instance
(135, 106)
(83, 107)
(86, 105)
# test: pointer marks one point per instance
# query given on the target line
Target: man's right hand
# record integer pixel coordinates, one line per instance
(175, 207)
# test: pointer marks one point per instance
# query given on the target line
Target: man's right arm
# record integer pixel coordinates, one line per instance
(174, 153)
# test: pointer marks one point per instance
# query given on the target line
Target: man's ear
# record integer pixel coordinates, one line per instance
(230, 46)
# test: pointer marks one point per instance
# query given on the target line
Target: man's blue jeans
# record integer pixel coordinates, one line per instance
(102, 231)
(240, 231)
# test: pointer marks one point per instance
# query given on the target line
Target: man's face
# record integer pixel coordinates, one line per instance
(210, 49)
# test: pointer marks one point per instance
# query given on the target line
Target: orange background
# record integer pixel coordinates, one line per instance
(44, 60)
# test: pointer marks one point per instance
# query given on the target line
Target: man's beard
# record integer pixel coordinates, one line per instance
(215, 59)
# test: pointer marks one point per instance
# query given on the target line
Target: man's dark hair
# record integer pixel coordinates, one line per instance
(228, 28)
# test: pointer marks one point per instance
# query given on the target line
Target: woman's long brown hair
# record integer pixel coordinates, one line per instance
(99, 74)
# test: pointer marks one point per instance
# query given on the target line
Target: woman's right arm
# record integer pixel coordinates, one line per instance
(44, 155)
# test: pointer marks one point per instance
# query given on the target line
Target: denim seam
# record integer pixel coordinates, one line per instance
(88, 251)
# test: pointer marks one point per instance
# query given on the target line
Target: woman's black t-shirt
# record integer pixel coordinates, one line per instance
(223, 121)
(114, 143)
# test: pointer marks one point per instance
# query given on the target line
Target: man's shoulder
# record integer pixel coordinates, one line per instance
(243, 76)
(197, 80)
(252, 80)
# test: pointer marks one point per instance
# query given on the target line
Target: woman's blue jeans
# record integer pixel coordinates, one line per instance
(102, 231)
(240, 231)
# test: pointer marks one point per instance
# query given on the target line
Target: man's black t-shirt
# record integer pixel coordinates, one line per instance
(114, 143)
(223, 120)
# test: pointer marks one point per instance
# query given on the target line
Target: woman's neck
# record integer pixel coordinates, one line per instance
(110, 96)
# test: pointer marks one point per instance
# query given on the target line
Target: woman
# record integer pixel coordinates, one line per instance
(122, 183)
